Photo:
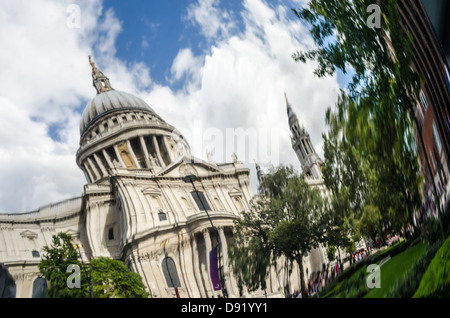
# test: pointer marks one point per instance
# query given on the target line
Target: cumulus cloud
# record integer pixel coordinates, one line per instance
(185, 66)
(44, 85)
(212, 20)
(241, 91)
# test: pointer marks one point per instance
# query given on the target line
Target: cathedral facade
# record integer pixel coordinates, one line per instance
(137, 205)
(149, 203)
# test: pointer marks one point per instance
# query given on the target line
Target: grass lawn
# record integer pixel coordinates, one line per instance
(436, 280)
(393, 269)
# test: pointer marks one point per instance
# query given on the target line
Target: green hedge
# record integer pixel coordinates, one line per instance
(436, 280)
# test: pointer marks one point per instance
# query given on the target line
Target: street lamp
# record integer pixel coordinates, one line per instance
(190, 179)
(78, 246)
(163, 244)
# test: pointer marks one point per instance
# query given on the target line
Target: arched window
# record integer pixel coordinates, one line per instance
(304, 147)
(7, 284)
(170, 273)
(39, 288)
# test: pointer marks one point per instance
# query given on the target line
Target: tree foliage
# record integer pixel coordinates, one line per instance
(53, 267)
(112, 279)
(109, 278)
(369, 223)
(286, 221)
(370, 148)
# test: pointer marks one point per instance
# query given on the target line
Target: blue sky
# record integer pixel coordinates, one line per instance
(217, 70)
(153, 32)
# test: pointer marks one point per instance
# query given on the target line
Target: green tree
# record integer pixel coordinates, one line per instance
(110, 278)
(251, 254)
(344, 176)
(331, 252)
(377, 113)
(54, 264)
(369, 223)
(286, 220)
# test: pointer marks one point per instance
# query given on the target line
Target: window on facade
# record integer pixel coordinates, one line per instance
(200, 199)
(35, 254)
(432, 159)
(162, 216)
(39, 288)
(424, 100)
(304, 146)
(170, 273)
(436, 138)
(111, 234)
(301, 152)
(420, 115)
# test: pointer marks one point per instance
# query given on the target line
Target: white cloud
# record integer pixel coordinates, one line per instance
(44, 79)
(214, 22)
(242, 81)
(185, 66)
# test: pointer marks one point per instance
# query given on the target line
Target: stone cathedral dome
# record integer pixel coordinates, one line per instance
(120, 130)
(108, 102)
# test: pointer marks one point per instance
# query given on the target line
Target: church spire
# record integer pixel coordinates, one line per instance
(99, 80)
(301, 143)
(290, 113)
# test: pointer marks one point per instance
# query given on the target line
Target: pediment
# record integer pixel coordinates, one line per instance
(187, 166)
(235, 192)
(151, 191)
(29, 234)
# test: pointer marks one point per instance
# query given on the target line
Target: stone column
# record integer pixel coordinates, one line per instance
(208, 249)
(130, 149)
(158, 153)
(145, 150)
(87, 176)
(91, 178)
(91, 163)
(100, 164)
(196, 264)
(119, 157)
(108, 159)
(224, 252)
(168, 149)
